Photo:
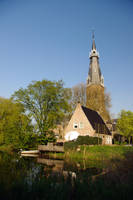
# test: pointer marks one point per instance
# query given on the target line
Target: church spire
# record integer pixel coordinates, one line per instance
(94, 75)
(93, 43)
(95, 96)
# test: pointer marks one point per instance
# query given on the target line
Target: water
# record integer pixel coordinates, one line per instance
(40, 177)
(15, 166)
(36, 178)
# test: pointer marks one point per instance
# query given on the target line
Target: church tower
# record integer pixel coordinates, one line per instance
(95, 97)
(94, 75)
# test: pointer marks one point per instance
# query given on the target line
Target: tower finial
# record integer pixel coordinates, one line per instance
(93, 38)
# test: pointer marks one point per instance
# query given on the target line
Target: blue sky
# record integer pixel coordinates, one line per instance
(51, 39)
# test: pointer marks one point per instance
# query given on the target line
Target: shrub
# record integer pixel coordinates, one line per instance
(88, 140)
(82, 140)
(70, 145)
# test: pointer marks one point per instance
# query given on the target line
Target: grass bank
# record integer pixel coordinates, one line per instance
(6, 148)
(97, 152)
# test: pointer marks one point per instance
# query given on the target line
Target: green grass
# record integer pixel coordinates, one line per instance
(95, 156)
(94, 153)
(6, 148)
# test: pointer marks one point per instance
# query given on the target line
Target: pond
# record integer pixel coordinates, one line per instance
(14, 165)
(44, 178)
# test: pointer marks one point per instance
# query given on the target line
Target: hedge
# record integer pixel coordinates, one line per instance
(82, 140)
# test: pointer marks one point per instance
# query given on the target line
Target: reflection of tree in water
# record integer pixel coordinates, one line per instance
(14, 169)
(14, 173)
(51, 167)
(61, 167)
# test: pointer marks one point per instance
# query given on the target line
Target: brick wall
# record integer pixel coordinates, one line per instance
(77, 118)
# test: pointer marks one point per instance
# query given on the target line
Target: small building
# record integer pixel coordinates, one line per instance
(85, 121)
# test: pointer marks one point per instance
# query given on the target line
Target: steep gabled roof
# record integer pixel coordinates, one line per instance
(96, 121)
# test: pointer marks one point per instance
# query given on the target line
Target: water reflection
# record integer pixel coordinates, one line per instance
(41, 178)
(14, 166)
(56, 166)
(65, 168)
(28, 175)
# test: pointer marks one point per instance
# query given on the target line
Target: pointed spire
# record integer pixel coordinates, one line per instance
(93, 38)
(94, 75)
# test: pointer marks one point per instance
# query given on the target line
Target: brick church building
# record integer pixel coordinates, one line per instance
(85, 120)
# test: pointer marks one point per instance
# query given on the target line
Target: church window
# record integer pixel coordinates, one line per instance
(75, 125)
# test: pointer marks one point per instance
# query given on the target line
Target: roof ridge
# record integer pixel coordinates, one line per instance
(89, 109)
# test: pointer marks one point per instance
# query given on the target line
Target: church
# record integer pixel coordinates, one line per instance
(90, 120)
(95, 94)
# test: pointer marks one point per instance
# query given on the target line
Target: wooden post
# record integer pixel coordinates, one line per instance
(84, 152)
(104, 130)
(98, 132)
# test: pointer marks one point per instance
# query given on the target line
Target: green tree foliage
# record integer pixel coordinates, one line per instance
(47, 104)
(125, 124)
(15, 126)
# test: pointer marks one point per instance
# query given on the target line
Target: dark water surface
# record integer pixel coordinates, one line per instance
(14, 166)
(43, 178)
(21, 175)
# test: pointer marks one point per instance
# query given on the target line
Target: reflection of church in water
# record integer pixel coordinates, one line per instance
(89, 120)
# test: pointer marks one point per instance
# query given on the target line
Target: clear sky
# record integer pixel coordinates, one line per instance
(51, 39)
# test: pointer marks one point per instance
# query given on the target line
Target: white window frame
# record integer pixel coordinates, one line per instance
(81, 125)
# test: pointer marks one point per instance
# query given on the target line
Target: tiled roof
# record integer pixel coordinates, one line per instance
(96, 121)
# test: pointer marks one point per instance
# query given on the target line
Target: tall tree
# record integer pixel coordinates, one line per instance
(107, 99)
(95, 98)
(46, 102)
(125, 124)
(78, 94)
(15, 126)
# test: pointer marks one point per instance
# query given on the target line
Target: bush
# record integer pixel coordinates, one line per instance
(49, 136)
(70, 145)
(88, 140)
(82, 140)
